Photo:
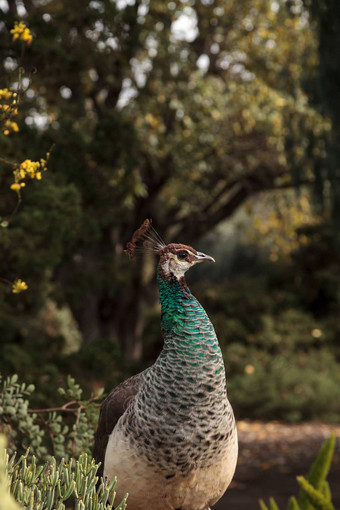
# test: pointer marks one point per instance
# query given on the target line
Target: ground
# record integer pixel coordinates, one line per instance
(271, 456)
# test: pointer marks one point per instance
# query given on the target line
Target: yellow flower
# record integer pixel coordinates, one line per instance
(21, 32)
(5, 94)
(19, 286)
(28, 169)
(8, 110)
(15, 187)
(10, 126)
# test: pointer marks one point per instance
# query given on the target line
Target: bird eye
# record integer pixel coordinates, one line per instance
(182, 255)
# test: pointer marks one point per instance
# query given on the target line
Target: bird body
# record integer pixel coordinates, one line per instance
(174, 446)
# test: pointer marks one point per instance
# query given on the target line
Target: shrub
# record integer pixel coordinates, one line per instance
(63, 431)
(55, 468)
(315, 493)
(53, 485)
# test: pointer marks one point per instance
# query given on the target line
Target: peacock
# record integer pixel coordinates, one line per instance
(169, 432)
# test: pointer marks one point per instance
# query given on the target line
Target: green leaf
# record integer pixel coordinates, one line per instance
(326, 491)
(316, 498)
(262, 504)
(49, 485)
(273, 505)
(319, 471)
(293, 504)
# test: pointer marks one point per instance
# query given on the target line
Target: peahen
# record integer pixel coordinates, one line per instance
(169, 433)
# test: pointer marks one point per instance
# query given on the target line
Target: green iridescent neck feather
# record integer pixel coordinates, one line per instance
(185, 325)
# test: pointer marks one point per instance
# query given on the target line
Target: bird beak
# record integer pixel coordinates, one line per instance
(201, 257)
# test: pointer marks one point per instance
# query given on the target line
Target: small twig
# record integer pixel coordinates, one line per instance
(15, 210)
(7, 162)
(65, 407)
(55, 409)
(4, 280)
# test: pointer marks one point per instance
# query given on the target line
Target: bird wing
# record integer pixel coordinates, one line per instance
(111, 410)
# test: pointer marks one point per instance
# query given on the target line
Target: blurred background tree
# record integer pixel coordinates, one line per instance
(181, 111)
(326, 14)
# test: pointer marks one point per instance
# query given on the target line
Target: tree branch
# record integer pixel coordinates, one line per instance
(201, 222)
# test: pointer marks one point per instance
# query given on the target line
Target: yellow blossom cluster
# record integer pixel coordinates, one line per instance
(8, 110)
(19, 286)
(6, 94)
(28, 169)
(21, 32)
(10, 127)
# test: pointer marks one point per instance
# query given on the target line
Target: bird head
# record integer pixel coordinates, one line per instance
(175, 259)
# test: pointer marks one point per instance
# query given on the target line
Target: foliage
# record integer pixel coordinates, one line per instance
(63, 431)
(183, 127)
(147, 120)
(9, 102)
(317, 475)
(55, 463)
(6, 500)
(48, 361)
(315, 493)
(326, 14)
(51, 485)
(279, 220)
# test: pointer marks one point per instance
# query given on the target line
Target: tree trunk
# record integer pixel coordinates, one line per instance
(121, 318)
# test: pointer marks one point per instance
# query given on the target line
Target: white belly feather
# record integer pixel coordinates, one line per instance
(149, 489)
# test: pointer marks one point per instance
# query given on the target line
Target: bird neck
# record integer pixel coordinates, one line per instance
(186, 327)
(174, 295)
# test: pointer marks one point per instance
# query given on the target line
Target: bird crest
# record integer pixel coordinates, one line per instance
(144, 240)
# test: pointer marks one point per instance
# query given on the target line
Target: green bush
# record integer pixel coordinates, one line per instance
(292, 386)
(56, 485)
(55, 469)
(63, 431)
(6, 500)
(45, 364)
